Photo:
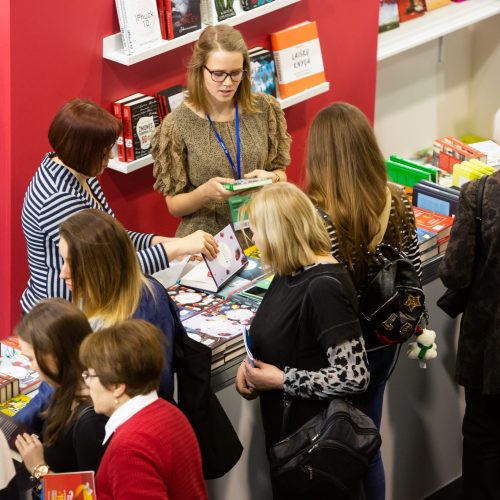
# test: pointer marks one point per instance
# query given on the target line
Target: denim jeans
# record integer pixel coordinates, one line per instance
(381, 363)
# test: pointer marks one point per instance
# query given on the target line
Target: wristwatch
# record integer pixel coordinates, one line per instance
(276, 177)
(39, 471)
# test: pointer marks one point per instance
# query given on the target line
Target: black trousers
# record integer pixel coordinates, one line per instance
(481, 446)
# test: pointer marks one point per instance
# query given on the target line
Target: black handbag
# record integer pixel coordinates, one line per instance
(333, 449)
(453, 302)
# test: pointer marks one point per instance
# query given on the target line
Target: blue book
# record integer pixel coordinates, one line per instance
(435, 198)
(426, 239)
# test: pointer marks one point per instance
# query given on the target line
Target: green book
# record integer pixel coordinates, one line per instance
(434, 171)
(242, 184)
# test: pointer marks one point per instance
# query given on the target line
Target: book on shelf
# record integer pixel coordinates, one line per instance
(69, 485)
(262, 71)
(212, 275)
(140, 118)
(468, 171)
(139, 24)
(491, 150)
(432, 221)
(406, 175)
(183, 17)
(435, 4)
(194, 300)
(216, 11)
(117, 112)
(388, 16)
(410, 9)
(15, 404)
(244, 184)
(252, 4)
(298, 59)
(9, 386)
(426, 239)
(436, 198)
(448, 151)
(11, 428)
(433, 171)
(169, 99)
(162, 16)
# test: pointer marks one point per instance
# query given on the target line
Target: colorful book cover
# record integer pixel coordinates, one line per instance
(183, 16)
(69, 486)
(15, 364)
(426, 239)
(431, 221)
(388, 17)
(410, 9)
(435, 4)
(13, 405)
(297, 54)
(263, 72)
(194, 300)
(216, 11)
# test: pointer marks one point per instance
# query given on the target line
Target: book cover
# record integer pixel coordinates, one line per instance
(435, 4)
(69, 486)
(160, 5)
(15, 364)
(263, 72)
(388, 16)
(429, 253)
(169, 99)
(216, 11)
(11, 428)
(183, 16)
(140, 118)
(139, 24)
(253, 294)
(435, 198)
(235, 203)
(491, 150)
(194, 300)
(9, 386)
(431, 221)
(298, 59)
(117, 112)
(410, 9)
(13, 405)
(253, 270)
(426, 239)
(243, 184)
(212, 275)
(235, 284)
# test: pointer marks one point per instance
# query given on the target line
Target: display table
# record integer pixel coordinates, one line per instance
(421, 425)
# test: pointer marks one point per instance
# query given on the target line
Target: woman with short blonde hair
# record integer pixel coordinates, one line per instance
(306, 336)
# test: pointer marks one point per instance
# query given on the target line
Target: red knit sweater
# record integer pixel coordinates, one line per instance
(154, 455)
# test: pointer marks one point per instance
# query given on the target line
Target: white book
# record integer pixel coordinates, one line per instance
(212, 275)
(139, 24)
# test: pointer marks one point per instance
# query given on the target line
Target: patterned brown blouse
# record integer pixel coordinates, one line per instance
(187, 154)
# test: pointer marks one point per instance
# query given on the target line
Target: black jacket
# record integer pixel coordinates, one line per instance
(478, 358)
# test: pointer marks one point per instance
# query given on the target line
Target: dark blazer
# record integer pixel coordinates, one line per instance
(478, 358)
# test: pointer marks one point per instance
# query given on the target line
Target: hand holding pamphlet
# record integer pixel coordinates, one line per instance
(248, 347)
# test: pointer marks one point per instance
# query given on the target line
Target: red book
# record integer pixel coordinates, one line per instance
(431, 221)
(117, 111)
(168, 19)
(69, 485)
(163, 21)
(409, 9)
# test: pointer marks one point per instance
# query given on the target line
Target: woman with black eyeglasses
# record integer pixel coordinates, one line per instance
(50, 336)
(221, 132)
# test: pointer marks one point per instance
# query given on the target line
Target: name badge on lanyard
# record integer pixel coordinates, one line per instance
(236, 168)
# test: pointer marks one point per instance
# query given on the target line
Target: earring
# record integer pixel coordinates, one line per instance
(116, 401)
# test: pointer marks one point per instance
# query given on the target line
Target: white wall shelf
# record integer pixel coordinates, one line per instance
(112, 47)
(127, 168)
(434, 24)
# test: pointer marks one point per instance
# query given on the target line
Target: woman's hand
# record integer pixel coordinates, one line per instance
(195, 243)
(264, 377)
(31, 450)
(242, 387)
(213, 190)
(275, 175)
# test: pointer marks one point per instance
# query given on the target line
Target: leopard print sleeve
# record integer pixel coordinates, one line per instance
(347, 374)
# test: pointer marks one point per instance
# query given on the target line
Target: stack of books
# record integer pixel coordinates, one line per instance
(436, 198)
(408, 173)
(449, 150)
(433, 232)
(469, 170)
(178, 17)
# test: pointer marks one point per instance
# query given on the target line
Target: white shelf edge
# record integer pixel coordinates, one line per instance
(304, 95)
(112, 47)
(434, 24)
(128, 167)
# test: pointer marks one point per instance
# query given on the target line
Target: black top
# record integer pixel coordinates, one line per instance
(478, 357)
(299, 318)
(79, 447)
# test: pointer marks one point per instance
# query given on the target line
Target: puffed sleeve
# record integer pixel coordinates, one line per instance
(278, 156)
(170, 157)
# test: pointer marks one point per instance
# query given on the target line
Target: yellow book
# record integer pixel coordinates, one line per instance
(463, 173)
(13, 405)
(489, 170)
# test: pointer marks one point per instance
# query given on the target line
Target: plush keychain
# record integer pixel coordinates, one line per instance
(424, 348)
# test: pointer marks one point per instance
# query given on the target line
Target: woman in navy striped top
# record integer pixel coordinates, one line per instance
(82, 135)
(347, 180)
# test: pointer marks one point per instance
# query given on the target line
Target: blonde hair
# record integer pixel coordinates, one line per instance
(292, 233)
(106, 278)
(347, 177)
(214, 38)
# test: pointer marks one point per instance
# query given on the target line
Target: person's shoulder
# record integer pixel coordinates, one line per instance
(329, 277)
(265, 102)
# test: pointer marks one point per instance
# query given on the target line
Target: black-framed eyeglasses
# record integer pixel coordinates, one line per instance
(220, 76)
(87, 376)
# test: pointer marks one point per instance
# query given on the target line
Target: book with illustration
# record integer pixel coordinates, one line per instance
(15, 404)
(212, 275)
(69, 485)
(388, 16)
(183, 17)
(262, 71)
(193, 300)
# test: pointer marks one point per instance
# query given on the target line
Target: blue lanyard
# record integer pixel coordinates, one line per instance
(237, 172)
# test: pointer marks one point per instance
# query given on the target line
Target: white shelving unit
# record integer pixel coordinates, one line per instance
(127, 168)
(112, 47)
(434, 24)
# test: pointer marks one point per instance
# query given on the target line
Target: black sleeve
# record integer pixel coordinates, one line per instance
(88, 435)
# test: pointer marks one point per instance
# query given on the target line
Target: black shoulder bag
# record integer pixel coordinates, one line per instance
(453, 302)
(333, 448)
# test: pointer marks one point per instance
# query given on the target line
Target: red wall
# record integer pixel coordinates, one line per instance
(55, 53)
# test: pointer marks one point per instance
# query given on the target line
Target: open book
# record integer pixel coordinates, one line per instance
(212, 275)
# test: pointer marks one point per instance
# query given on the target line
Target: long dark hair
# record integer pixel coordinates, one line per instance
(56, 328)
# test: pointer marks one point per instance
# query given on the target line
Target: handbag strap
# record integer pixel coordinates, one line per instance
(479, 216)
